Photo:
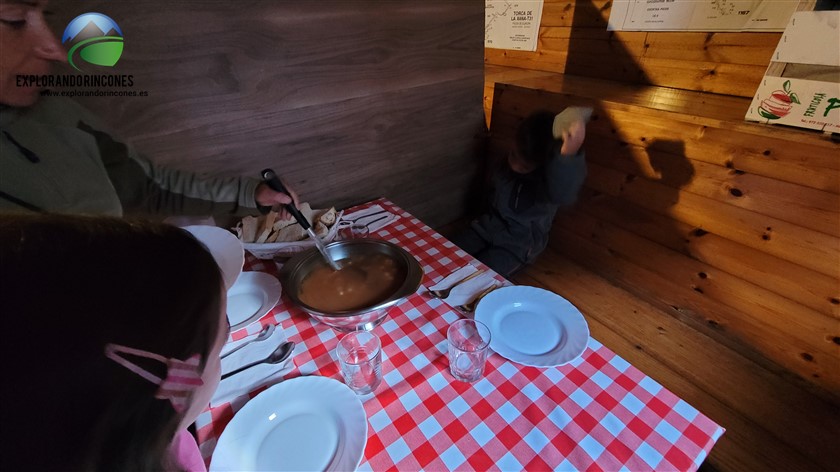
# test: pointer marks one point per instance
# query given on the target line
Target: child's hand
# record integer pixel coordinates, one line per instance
(573, 137)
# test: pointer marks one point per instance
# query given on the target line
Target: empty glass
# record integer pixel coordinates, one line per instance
(469, 344)
(353, 231)
(360, 357)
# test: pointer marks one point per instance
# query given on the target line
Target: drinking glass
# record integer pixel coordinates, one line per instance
(360, 357)
(354, 231)
(469, 344)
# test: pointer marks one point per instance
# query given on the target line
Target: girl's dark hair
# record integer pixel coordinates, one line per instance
(535, 142)
(68, 286)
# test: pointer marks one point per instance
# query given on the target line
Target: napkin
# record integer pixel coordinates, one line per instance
(465, 292)
(256, 376)
(375, 217)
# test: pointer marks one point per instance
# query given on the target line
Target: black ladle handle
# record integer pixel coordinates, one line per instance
(273, 181)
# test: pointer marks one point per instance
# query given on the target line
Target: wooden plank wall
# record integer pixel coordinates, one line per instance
(348, 100)
(721, 223)
(732, 228)
(574, 40)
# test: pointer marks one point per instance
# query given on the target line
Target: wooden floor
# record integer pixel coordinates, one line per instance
(771, 424)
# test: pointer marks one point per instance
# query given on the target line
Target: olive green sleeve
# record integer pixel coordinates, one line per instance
(144, 187)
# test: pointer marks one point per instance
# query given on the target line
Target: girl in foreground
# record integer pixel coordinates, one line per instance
(112, 337)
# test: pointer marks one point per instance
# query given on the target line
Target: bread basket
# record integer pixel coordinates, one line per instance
(288, 249)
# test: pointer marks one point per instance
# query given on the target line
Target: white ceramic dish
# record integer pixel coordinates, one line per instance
(532, 326)
(251, 297)
(305, 423)
(225, 247)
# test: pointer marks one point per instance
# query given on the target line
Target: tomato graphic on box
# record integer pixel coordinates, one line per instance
(778, 104)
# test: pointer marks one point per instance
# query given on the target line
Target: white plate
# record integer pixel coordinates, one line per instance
(532, 326)
(305, 423)
(225, 247)
(251, 297)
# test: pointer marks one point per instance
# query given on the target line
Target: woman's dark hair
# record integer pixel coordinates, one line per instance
(68, 286)
(535, 141)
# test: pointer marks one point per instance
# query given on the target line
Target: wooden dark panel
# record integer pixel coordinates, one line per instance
(348, 100)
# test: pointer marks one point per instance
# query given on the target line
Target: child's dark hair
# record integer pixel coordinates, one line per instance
(535, 141)
(82, 282)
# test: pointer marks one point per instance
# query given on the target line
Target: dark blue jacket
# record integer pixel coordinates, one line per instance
(524, 205)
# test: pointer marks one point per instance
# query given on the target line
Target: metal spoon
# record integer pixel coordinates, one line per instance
(471, 306)
(261, 336)
(279, 355)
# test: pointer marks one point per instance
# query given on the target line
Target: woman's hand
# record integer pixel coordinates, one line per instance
(266, 196)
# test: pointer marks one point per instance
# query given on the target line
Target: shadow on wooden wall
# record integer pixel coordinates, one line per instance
(595, 52)
(346, 100)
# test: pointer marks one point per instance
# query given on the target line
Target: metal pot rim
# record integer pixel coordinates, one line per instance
(413, 277)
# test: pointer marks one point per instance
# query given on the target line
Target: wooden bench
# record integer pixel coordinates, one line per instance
(704, 249)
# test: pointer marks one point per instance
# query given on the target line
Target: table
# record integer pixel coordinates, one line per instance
(596, 413)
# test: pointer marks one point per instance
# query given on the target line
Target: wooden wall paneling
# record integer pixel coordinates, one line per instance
(808, 163)
(589, 14)
(713, 107)
(493, 74)
(525, 60)
(812, 249)
(715, 379)
(347, 100)
(730, 48)
(594, 52)
(803, 206)
(597, 43)
(746, 147)
(574, 40)
(706, 315)
(756, 155)
(712, 77)
(807, 287)
(777, 325)
(664, 164)
(817, 251)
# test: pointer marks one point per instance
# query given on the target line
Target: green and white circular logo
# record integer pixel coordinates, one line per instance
(93, 38)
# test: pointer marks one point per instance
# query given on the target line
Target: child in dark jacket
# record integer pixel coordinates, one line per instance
(544, 172)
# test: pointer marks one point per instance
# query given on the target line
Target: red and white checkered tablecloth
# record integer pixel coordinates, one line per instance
(596, 413)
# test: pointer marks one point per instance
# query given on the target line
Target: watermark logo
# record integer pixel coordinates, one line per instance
(779, 104)
(93, 38)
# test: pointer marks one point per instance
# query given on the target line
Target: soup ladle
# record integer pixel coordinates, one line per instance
(353, 274)
(279, 355)
(275, 184)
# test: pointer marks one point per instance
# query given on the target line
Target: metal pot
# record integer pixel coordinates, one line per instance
(298, 267)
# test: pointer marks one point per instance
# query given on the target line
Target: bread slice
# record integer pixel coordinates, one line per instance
(321, 229)
(249, 229)
(267, 227)
(290, 234)
(328, 217)
(280, 224)
(307, 212)
(272, 238)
